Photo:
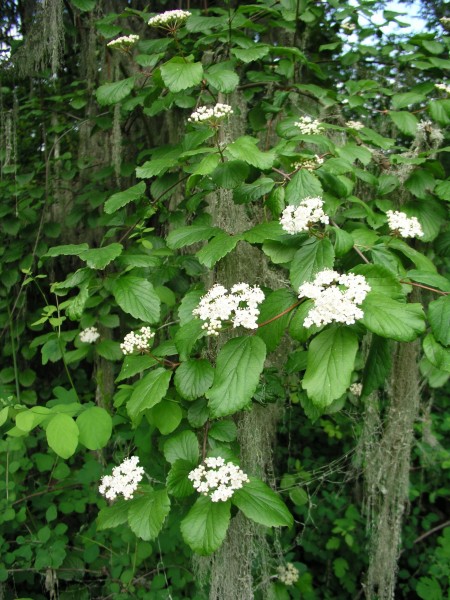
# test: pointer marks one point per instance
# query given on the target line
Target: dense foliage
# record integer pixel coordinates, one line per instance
(125, 202)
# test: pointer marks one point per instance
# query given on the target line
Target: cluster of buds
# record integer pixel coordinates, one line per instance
(217, 479)
(124, 42)
(400, 224)
(445, 22)
(356, 125)
(137, 341)
(240, 306)
(356, 389)
(309, 126)
(336, 298)
(288, 574)
(211, 114)
(89, 335)
(124, 480)
(170, 19)
(296, 219)
(310, 164)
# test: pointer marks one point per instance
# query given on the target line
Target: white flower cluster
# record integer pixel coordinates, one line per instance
(331, 301)
(210, 113)
(288, 574)
(169, 18)
(240, 306)
(309, 126)
(348, 26)
(123, 42)
(442, 86)
(445, 22)
(296, 219)
(355, 125)
(89, 335)
(309, 164)
(137, 341)
(217, 479)
(356, 388)
(124, 480)
(406, 226)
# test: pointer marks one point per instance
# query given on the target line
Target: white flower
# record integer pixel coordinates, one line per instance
(89, 335)
(443, 87)
(356, 388)
(348, 26)
(288, 574)
(217, 479)
(309, 164)
(336, 298)
(445, 22)
(137, 341)
(211, 113)
(124, 480)
(308, 126)
(169, 18)
(240, 306)
(406, 226)
(124, 41)
(355, 125)
(296, 219)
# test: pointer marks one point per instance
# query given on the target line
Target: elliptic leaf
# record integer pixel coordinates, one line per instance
(178, 74)
(99, 258)
(95, 426)
(302, 185)
(62, 435)
(121, 199)
(239, 365)
(217, 248)
(439, 317)
(273, 305)
(177, 482)
(185, 236)
(331, 359)
(392, 319)
(147, 514)
(114, 515)
(137, 297)
(314, 256)
(182, 446)
(166, 416)
(438, 356)
(150, 390)
(193, 378)
(205, 526)
(261, 504)
(111, 93)
(378, 365)
(245, 148)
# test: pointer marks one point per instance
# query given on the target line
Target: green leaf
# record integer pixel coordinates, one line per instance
(149, 390)
(178, 74)
(182, 446)
(27, 420)
(442, 190)
(193, 378)
(112, 516)
(405, 121)
(111, 93)
(380, 279)
(223, 431)
(224, 80)
(186, 337)
(245, 148)
(185, 236)
(151, 168)
(263, 232)
(430, 279)
(230, 174)
(392, 319)
(331, 360)
(439, 111)
(147, 514)
(439, 317)
(67, 250)
(420, 260)
(62, 435)
(99, 258)
(84, 5)
(239, 365)
(248, 55)
(378, 365)
(207, 165)
(166, 416)
(134, 364)
(137, 297)
(177, 482)
(343, 242)
(302, 185)
(420, 183)
(314, 256)
(403, 100)
(438, 356)
(274, 304)
(95, 427)
(296, 328)
(261, 504)
(205, 526)
(121, 199)
(429, 589)
(221, 245)
(109, 349)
